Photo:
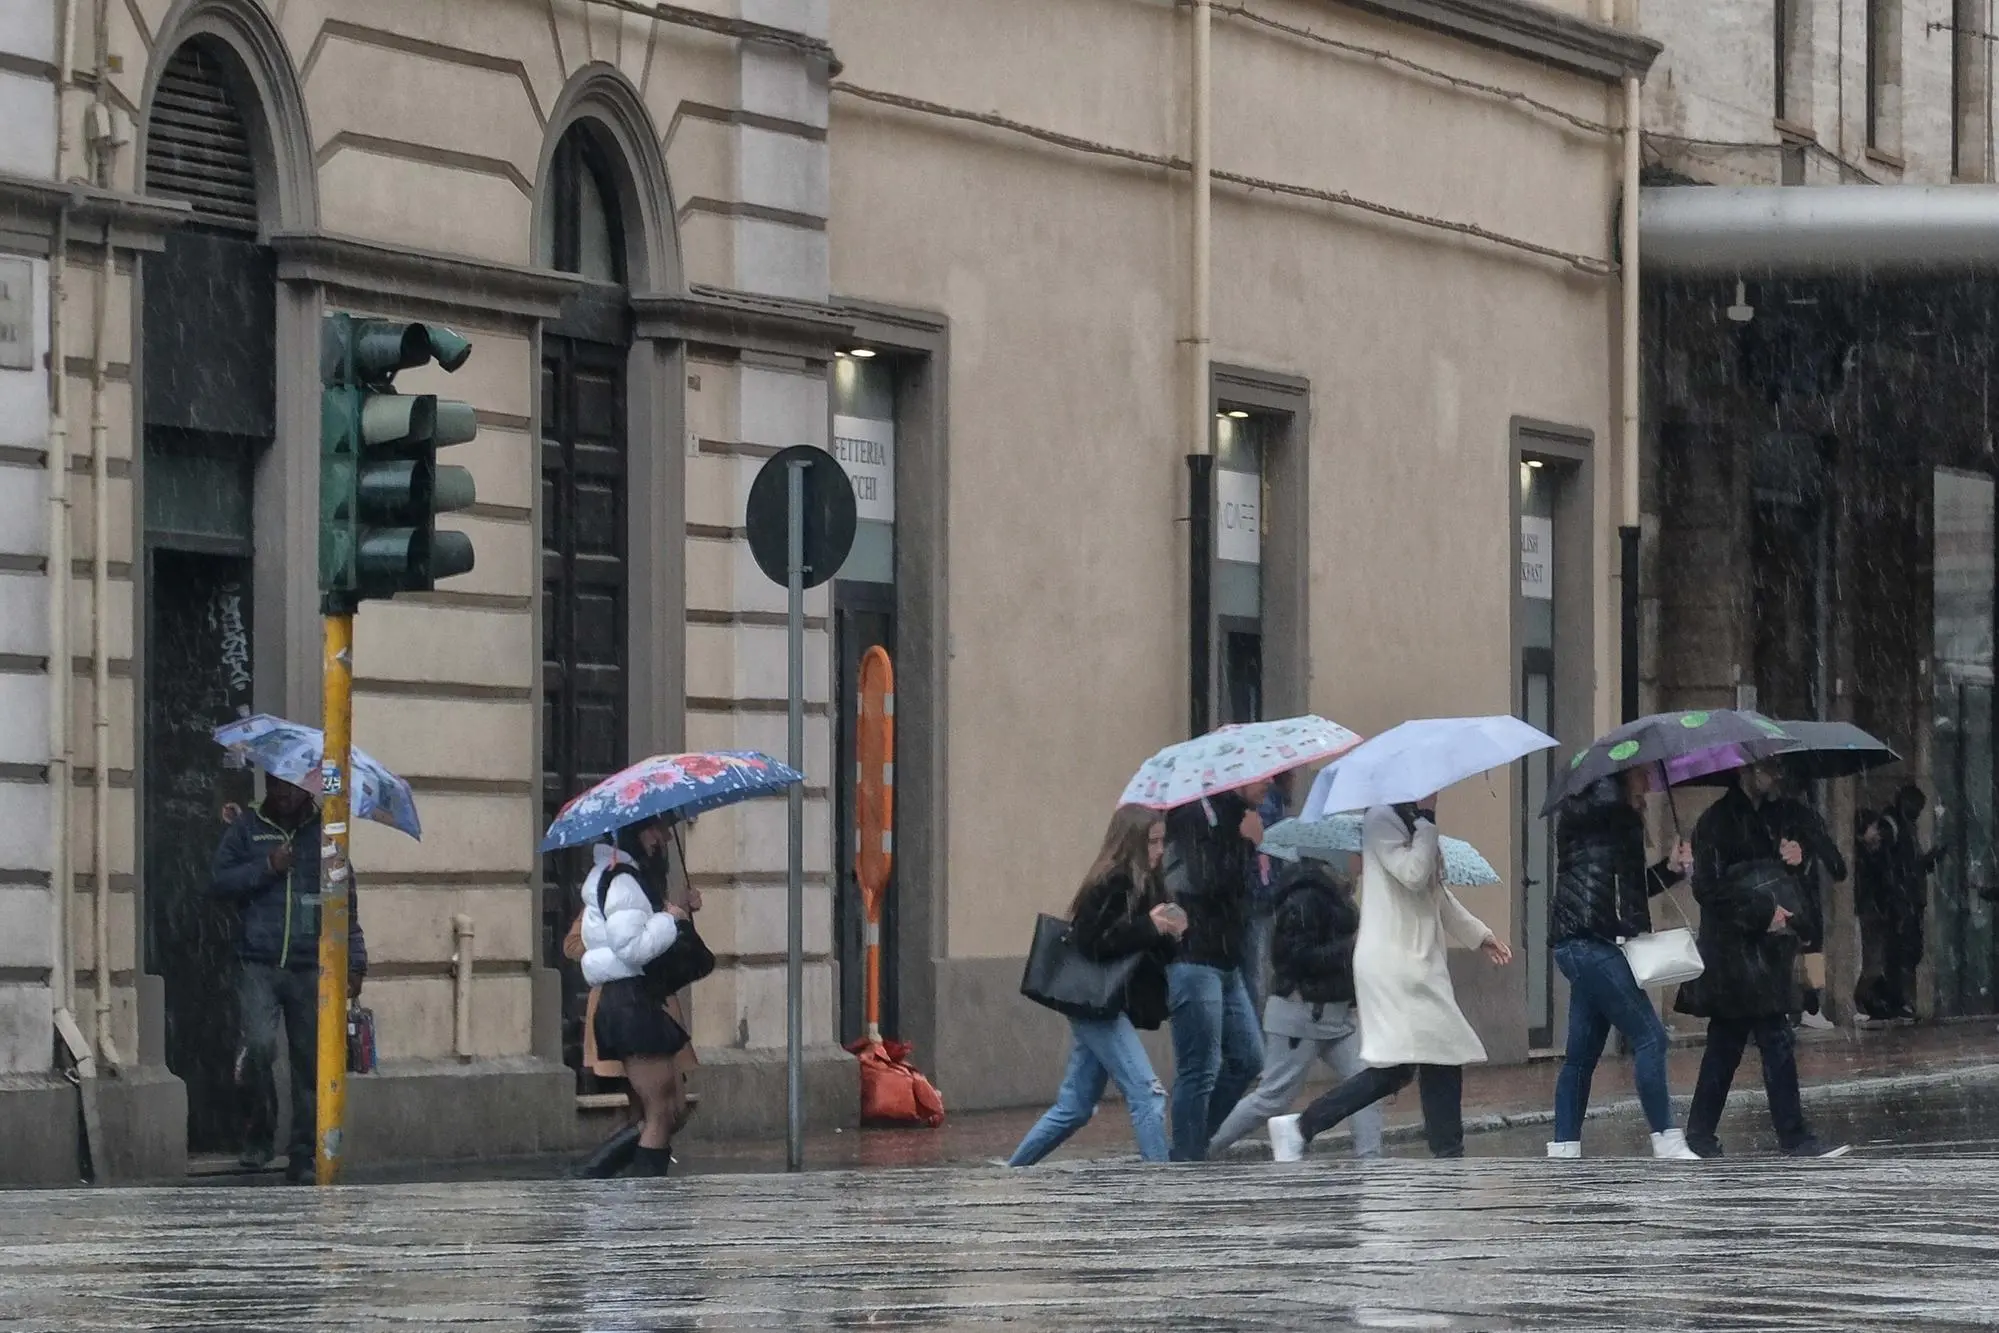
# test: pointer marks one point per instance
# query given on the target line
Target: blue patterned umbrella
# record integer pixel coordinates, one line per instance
(294, 753)
(667, 784)
(1340, 835)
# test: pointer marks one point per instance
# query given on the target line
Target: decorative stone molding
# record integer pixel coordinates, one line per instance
(744, 321)
(29, 207)
(1531, 31)
(377, 269)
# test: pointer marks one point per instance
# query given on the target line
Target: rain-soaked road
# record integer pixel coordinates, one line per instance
(1870, 1243)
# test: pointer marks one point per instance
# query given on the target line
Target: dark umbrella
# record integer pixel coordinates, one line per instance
(1664, 737)
(1822, 751)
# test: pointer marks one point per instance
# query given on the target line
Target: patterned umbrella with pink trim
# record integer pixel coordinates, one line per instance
(1233, 757)
(682, 785)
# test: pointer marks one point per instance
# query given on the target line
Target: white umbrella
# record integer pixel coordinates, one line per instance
(1409, 762)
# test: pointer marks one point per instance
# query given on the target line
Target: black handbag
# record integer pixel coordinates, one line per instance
(687, 960)
(1059, 977)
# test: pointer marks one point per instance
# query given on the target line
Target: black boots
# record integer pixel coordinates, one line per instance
(651, 1161)
(612, 1156)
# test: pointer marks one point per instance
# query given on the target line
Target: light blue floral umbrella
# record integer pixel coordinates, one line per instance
(682, 785)
(1234, 756)
(1325, 839)
(294, 753)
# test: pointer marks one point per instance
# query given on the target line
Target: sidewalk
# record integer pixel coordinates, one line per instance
(1840, 1062)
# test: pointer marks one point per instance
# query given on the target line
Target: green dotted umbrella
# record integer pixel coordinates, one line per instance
(1665, 737)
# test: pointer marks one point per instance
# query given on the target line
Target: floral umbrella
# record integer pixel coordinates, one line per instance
(295, 753)
(1233, 757)
(1340, 835)
(683, 785)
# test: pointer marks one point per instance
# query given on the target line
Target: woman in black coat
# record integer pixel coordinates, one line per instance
(1748, 897)
(1120, 910)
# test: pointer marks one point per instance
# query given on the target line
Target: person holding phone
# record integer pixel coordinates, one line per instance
(1747, 891)
(1120, 910)
(1410, 1025)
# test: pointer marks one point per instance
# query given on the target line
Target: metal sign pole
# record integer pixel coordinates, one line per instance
(794, 870)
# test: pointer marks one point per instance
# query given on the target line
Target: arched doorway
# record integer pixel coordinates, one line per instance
(585, 475)
(209, 404)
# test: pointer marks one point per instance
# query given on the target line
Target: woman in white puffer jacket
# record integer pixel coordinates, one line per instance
(623, 931)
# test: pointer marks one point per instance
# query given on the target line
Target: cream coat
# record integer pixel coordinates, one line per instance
(1402, 981)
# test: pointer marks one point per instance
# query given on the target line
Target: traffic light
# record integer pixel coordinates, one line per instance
(381, 487)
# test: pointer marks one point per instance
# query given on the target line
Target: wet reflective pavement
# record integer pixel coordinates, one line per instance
(1870, 1243)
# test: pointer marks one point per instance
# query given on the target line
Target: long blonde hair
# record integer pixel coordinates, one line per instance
(1127, 850)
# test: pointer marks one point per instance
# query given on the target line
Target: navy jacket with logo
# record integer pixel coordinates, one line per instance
(278, 913)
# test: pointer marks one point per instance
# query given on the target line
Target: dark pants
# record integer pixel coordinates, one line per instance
(1726, 1040)
(266, 999)
(1890, 948)
(1442, 1088)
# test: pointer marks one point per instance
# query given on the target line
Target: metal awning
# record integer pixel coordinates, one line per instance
(1746, 230)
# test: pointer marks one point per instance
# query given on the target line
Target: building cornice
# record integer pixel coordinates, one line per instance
(1531, 31)
(745, 321)
(30, 206)
(372, 269)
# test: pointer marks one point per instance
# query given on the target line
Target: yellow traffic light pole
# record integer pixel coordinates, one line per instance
(335, 898)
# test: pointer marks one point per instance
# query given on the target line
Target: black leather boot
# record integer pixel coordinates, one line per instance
(612, 1156)
(651, 1161)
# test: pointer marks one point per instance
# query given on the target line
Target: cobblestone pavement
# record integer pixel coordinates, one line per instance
(1486, 1244)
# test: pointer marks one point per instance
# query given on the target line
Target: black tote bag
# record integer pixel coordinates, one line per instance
(1059, 977)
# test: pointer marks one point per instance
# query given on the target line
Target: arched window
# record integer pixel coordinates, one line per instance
(586, 230)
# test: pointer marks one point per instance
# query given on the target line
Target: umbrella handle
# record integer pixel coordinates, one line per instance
(1671, 804)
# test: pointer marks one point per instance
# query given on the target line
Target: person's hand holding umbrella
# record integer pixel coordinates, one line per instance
(1681, 860)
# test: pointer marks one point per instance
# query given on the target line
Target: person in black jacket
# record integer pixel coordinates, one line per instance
(1120, 910)
(1748, 896)
(1791, 818)
(1602, 897)
(1890, 894)
(1310, 1015)
(1217, 1038)
(267, 868)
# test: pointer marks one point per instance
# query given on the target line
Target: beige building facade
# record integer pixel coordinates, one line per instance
(949, 240)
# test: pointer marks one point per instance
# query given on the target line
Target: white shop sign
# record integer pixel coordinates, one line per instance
(1239, 517)
(17, 315)
(1537, 558)
(866, 449)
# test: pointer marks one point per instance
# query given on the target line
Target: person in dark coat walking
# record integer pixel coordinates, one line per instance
(1120, 910)
(267, 868)
(1603, 889)
(1890, 895)
(1748, 898)
(1310, 1015)
(1217, 1037)
(1791, 818)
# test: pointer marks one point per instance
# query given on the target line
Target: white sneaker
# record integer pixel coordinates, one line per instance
(1671, 1146)
(1816, 1022)
(1287, 1144)
(1566, 1151)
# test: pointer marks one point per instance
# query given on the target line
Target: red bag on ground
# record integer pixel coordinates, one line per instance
(892, 1091)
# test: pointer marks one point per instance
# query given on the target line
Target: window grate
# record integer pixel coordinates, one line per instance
(198, 147)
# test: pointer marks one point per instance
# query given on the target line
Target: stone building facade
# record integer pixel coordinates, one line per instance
(948, 239)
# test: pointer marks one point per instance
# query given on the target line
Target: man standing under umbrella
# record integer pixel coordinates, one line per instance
(1217, 1036)
(267, 868)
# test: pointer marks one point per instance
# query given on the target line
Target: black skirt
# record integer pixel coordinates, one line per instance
(632, 1023)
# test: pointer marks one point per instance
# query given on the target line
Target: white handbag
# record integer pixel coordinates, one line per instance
(1663, 957)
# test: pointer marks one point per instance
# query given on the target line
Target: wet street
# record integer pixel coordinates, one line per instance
(1870, 1243)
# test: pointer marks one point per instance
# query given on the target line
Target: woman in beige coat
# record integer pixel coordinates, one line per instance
(1410, 1023)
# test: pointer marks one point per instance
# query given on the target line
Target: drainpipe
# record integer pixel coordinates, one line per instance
(461, 981)
(61, 885)
(1629, 530)
(1200, 459)
(106, 138)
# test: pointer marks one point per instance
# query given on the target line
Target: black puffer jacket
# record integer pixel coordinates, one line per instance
(1114, 921)
(1312, 936)
(1208, 873)
(1740, 883)
(1603, 887)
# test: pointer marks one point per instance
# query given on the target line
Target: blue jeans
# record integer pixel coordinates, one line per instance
(1101, 1051)
(1217, 1052)
(275, 1003)
(1603, 994)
